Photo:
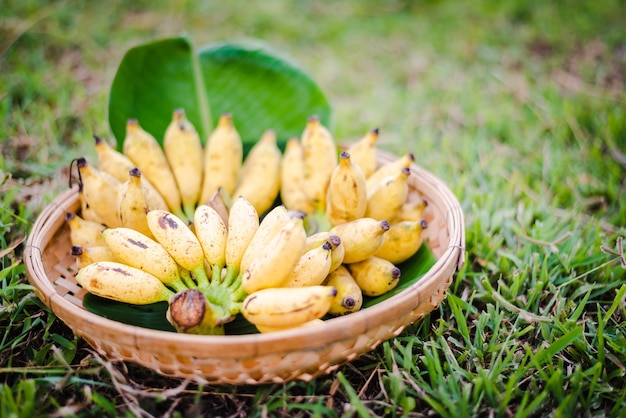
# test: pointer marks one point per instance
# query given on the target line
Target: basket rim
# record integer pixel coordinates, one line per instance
(333, 329)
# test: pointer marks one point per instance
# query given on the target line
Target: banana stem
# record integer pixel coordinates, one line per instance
(185, 276)
(189, 211)
(231, 274)
(201, 277)
(178, 285)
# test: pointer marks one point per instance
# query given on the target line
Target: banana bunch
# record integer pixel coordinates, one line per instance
(197, 226)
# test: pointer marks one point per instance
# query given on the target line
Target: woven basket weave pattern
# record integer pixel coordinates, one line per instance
(256, 358)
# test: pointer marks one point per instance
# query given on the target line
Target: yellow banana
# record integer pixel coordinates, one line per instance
(221, 202)
(259, 182)
(390, 168)
(112, 161)
(148, 156)
(137, 250)
(387, 197)
(132, 205)
(411, 210)
(269, 227)
(83, 232)
(223, 158)
(360, 238)
(401, 241)
(337, 250)
(375, 276)
(89, 255)
(180, 242)
(212, 233)
(264, 329)
(86, 211)
(349, 296)
(100, 192)
(272, 266)
(286, 307)
(243, 222)
(319, 154)
(363, 152)
(346, 198)
(312, 268)
(292, 192)
(123, 283)
(183, 150)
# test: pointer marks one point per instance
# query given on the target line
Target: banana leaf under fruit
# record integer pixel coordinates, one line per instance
(154, 316)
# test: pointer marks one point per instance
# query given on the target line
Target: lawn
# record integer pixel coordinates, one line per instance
(519, 107)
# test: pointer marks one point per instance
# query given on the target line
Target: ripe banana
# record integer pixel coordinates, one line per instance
(346, 198)
(292, 192)
(221, 202)
(259, 181)
(180, 242)
(411, 211)
(336, 252)
(89, 255)
(112, 161)
(287, 307)
(183, 150)
(363, 152)
(264, 329)
(269, 227)
(349, 296)
(132, 204)
(243, 222)
(389, 169)
(123, 283)
(212, 233)
(148, 156)
(387, 197)
(100, 192)
(83, 232)
(360, 238)
(401, 241)
(319, 154)
(223, 157)
(137, 250)
(272, 266)
(312, 268)
(375, 276)
(86, 211)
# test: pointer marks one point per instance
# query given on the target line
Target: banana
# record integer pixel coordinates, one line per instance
(387, 197)
(287, 307)
(375, 276)
(363, 152)
(401, 241)
(112, 161)
(183, 150)
(292, 193)
(137, 250)
(223, 158)
(180, 242)
(349, 296)
(100, 192)
(212, 232)
(319, 154)
(132, 204)
(123, 283)
(221, 202)
(243, 222)
(264, 329)
(411, 211)
(389, 169)
(89, 255)
(346, 198)
(86, 211)
(269, 227)
(83, 232)
(148, 156)
(360, 238)
(259, 182)
(272, 266)
(191, 313)
(337, 250)
(312, 268)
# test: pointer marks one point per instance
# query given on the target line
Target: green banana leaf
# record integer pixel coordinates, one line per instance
(260, 88)
(152, 316)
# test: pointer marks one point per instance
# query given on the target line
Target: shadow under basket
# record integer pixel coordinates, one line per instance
(301, 353)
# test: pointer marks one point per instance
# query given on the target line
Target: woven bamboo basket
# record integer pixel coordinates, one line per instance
(278, 357)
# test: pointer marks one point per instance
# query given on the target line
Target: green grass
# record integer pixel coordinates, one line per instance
(520, 107)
